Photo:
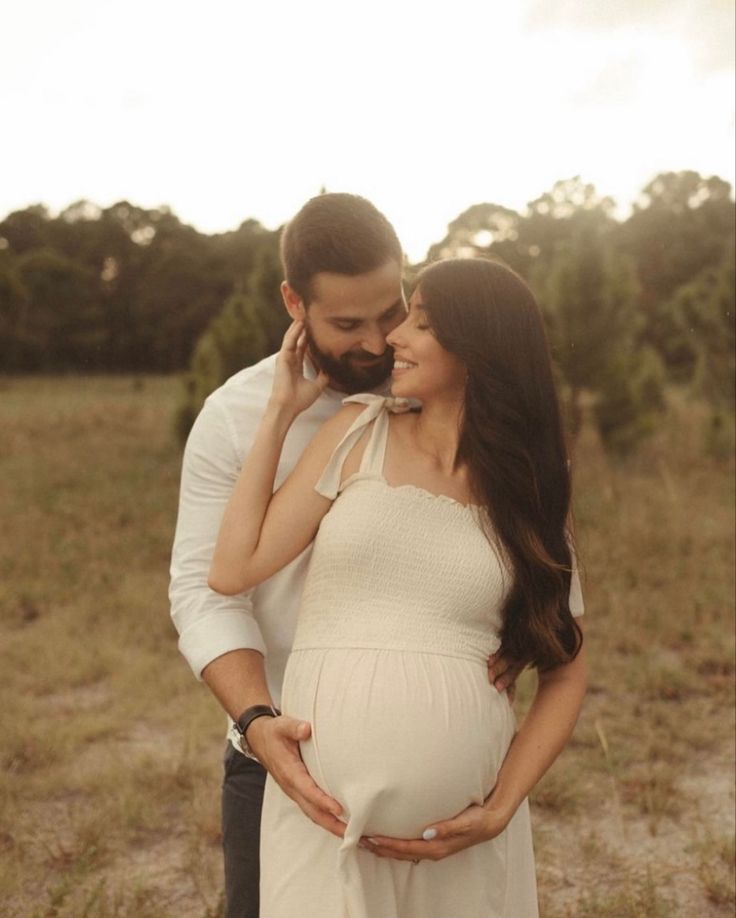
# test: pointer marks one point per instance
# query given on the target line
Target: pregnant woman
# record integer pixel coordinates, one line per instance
(441, 535)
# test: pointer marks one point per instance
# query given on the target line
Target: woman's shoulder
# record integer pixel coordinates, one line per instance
(337, 425)
(343, 418)
(356, 417)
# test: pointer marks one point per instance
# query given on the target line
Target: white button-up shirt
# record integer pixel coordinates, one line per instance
(263, 619)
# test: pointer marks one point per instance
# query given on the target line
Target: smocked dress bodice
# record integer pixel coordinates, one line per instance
(396, 566)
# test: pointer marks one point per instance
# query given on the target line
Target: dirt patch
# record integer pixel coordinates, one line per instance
(613, 848)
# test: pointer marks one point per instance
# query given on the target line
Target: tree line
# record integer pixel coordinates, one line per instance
(629, 305)
(115, 289)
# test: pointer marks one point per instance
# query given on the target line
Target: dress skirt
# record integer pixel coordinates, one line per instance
(402, 740)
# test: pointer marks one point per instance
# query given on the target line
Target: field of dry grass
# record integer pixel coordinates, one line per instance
(110, 753)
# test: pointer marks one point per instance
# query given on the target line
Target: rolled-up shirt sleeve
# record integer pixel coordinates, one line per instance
(575, 601)
(577, 606)
(208, 624)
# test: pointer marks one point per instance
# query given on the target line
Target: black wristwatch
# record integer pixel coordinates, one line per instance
(246, 719)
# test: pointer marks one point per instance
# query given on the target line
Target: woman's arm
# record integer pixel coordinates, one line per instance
(542, 736)
(540, 739)
(261, 531)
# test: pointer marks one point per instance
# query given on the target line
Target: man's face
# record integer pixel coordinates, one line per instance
(347, 322)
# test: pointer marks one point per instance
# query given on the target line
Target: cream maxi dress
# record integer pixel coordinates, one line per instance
(399, 614)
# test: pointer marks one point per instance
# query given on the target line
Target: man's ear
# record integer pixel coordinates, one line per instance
(292, 301)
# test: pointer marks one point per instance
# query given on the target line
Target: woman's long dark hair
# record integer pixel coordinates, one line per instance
(512, 442)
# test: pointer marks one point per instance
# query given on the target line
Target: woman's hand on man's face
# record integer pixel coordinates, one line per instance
(291, 390)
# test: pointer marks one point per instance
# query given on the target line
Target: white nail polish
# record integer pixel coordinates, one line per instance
(429, 834)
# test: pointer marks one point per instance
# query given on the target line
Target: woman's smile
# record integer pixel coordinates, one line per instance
(402, 365)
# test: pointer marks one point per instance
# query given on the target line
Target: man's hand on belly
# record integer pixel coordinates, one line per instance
(275, 742)
(474, 825)
(503, 673)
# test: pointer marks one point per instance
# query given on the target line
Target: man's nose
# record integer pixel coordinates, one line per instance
(374, 344)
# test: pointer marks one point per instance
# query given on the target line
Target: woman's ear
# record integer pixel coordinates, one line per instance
(293, 302)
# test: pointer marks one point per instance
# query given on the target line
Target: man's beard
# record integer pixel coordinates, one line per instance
(345, 373)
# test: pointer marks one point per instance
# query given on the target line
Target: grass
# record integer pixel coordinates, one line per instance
(110, 751)
(637, 896)
(110, 759)
(652, 756)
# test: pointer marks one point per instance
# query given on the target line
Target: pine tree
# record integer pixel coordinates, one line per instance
(703, 320)
(250, 325)
(589, 294)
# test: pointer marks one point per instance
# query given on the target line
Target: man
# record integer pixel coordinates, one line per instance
(343, 265)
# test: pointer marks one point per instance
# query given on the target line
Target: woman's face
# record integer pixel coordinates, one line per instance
(422, 367)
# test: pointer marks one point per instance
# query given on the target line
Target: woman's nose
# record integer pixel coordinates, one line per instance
(393, 337)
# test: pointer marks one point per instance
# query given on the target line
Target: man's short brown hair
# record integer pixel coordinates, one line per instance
(340, 233)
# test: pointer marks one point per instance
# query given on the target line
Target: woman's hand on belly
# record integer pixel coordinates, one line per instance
(542, 736)
(474, 825)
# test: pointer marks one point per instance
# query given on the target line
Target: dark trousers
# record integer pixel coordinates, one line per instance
(242, 799)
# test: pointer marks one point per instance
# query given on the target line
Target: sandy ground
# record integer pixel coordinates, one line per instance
(607, 851)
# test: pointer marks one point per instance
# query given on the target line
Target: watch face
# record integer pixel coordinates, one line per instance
(246, 750)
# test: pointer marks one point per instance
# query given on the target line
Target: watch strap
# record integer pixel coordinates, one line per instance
(246, 719)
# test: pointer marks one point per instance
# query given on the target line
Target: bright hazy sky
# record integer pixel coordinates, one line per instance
(239, 109)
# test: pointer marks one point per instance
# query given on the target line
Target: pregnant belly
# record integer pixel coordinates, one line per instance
(400, 739)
